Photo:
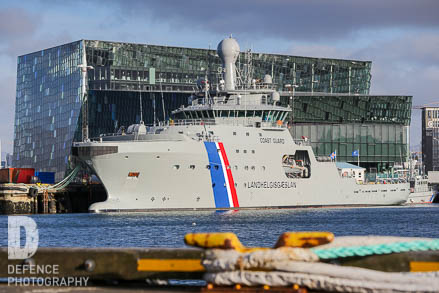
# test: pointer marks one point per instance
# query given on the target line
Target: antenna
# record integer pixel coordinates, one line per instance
(140, 101)
(153, 106)
(163, 100)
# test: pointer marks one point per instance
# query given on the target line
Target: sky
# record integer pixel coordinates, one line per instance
(400, 37)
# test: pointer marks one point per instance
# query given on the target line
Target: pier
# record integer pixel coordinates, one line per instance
(20, 198)
(218, 262)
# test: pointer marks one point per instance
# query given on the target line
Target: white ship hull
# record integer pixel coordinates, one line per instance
(184, 173)
(420, 197)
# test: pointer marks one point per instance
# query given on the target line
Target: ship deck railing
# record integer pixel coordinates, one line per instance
(237, 122)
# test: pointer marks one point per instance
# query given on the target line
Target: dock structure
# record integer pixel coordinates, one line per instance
(299, 262)
(20, 198)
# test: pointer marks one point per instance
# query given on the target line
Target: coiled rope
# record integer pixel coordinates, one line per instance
(386, 248)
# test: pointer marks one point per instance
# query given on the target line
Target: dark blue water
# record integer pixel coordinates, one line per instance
(253, 227)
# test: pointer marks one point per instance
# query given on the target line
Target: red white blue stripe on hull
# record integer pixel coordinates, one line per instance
(223, 185)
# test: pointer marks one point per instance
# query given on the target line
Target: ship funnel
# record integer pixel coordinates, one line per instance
(228, 50)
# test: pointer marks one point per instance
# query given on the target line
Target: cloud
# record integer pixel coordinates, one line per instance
(17, 23)
(300, 20)
(406, 65)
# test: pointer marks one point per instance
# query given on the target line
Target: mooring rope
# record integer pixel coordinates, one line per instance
(66, 181)
(385, 248)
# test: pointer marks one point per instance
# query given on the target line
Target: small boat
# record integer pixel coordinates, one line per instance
(420, 191)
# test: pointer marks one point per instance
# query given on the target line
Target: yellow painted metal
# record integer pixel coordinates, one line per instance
(230, 240)
(424, 266)
(214, 240)
(304, 239)
(169, 265)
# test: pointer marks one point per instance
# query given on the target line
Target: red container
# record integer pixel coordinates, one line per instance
(24, 175)
(16, 175)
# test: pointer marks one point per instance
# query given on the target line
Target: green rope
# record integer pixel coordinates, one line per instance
(396, 247)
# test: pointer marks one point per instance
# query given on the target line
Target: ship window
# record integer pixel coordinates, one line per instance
(237, 151)
(263, 168)
(253, 151)
(208, 167)
(260, 134)
(234, 132)
(192, 167)
(253, 168)
(216, 167)
(245, 151)
(247, 134)
(176, 167)
(246, 167)
(236, 167)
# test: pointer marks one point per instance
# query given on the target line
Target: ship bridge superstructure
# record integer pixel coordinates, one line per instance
(252, 103)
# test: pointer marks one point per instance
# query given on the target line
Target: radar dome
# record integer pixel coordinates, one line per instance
(268, 79)
(228, 50)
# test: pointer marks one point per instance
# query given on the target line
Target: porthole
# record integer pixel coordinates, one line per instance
(208, 167)
(176, 167)
(253, 168)
(253, 151)
(245, 151)
(234, 132)
(192, 167)
(247, 134)
(237, 151)
(216, 167)
(246, 167)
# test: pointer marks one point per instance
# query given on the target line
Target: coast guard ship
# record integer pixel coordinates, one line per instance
(230, 149)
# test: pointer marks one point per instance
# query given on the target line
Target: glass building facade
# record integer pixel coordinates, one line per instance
(47, 107)
(49, 101)
(430, 138)
(376, 126)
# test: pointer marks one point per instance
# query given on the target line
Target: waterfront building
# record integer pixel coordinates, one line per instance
(430, 138)
(330, 97)
(375, 126)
